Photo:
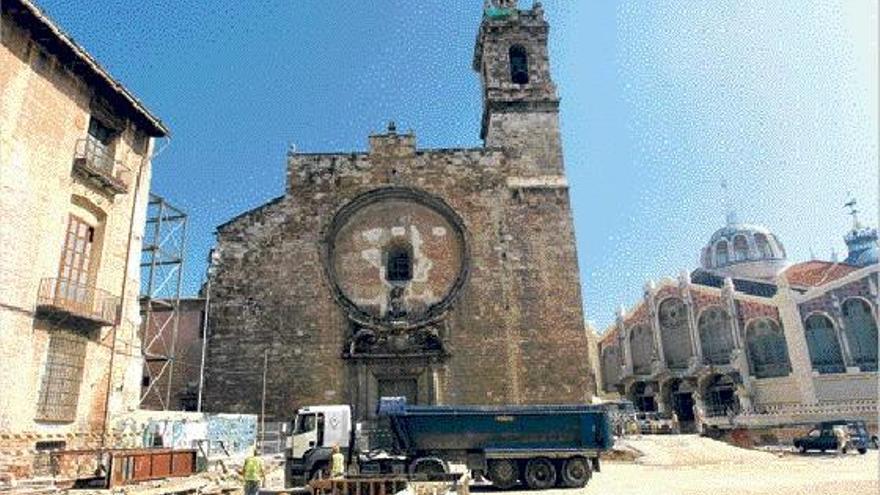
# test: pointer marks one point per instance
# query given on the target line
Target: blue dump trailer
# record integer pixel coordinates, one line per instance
(538, 446)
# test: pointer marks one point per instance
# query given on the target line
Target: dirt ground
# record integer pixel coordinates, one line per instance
(689, 465)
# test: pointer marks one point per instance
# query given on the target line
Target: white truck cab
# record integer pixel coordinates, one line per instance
(316, 430)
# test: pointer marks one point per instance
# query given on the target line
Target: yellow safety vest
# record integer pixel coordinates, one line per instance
(253, 469)
(337, 465)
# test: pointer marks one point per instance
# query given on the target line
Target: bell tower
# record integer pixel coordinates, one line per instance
(520, 104)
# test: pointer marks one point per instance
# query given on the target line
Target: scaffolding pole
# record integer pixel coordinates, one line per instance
(162, 262)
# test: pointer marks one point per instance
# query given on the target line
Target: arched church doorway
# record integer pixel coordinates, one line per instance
(643, 396)
(720, 396)
(680, 398)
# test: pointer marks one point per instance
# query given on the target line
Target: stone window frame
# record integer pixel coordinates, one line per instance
(767, 366)
(646, 332)
(740, 248)
(710, 352)
(610, 370)
(838, 365)
(399, 263)
(685, 326)
(518, 58)
(716, 252)
(855, 349)
(765, 249)
(352, 206)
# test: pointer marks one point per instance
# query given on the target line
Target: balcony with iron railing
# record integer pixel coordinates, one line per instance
(96, 161)
(64, 297)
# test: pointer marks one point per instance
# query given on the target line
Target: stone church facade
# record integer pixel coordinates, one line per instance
(448, 276)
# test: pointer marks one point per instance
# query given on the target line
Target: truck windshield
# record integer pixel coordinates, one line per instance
(305, 422)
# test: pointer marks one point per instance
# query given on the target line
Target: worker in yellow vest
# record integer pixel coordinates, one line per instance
(337, 463)
(253, 474)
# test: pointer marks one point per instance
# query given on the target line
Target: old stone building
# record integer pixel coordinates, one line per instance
(75, 152)
(750, 340)
(444, 275)
(178, 389)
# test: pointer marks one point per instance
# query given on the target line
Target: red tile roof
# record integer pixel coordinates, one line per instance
(815, 273)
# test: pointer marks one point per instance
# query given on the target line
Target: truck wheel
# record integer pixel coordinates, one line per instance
(319, 471)
(540, 473)
(503, 473)
(575, 472)
(427, 467)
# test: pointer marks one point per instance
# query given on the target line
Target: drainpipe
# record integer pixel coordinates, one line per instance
(204, 338)
(128, 257)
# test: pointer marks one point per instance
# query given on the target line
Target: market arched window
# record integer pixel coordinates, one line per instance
(740, 248)
(822, 344)
(716, 340)
(768, 352)
(641, 344)
(610, 368)
(860, 328)
(674, 333)
(763, 245)
(519, 65)
(721, 256)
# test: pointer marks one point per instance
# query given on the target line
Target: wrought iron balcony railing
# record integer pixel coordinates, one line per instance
(92, 159)
(58, 295)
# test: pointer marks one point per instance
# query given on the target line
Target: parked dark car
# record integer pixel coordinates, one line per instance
(654, 422)
(822, 438)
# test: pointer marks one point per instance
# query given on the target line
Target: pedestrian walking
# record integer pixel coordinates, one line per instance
(632, 428)
(253, 473)
(842, 437)
(699, 418)
(676, 427)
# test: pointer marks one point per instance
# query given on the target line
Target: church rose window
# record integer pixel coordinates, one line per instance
(861, 333)
(823, 346)
(674, 333)
(716, 341)
(519, 65)
(399, 266)
(768, 352)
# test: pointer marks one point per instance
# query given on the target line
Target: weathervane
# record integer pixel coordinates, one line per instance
(851, 204)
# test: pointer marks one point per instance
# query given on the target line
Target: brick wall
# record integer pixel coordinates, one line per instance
(44, 110)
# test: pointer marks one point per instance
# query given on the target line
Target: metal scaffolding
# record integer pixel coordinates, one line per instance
(162, 258)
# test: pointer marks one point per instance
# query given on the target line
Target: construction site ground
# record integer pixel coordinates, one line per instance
(692, 465)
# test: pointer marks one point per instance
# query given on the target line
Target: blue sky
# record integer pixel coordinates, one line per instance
(661, 101)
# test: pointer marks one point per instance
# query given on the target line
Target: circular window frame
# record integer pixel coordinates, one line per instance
(436, 311)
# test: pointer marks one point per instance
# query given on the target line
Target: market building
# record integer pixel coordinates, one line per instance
(749, 339)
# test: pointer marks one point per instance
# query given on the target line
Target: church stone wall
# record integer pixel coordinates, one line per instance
(513, 334)
(487, 307)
